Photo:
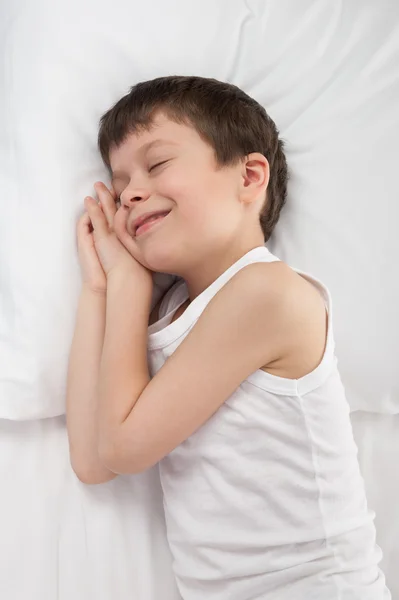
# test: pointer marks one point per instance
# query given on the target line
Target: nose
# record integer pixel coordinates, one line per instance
(130, 196)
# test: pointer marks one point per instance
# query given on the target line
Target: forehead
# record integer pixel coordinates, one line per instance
(162, 133)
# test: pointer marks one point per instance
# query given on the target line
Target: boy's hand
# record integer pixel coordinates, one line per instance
(92, 272)
(112, 254)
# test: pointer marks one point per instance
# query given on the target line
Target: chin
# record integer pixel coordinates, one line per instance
(160, 258)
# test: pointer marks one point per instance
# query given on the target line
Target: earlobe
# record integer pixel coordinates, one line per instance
(255, 177)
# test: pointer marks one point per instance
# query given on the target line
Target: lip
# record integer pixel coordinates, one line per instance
(140, 220)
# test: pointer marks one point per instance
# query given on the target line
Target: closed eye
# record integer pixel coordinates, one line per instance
(157, 165)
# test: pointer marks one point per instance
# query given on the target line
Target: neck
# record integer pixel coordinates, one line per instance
(209, 268)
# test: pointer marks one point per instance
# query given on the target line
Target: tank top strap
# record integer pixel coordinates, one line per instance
(259, 254)
(178, 294)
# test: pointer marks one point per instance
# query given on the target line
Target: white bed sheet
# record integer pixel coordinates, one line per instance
(63, 540)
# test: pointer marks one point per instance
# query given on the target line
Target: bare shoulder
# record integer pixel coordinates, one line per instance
(271, 285)
(283, 308)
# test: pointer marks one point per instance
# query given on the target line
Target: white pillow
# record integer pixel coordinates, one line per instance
(327, 73)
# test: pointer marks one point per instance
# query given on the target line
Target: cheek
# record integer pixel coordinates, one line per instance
(207, 198)
(122, 234)
(204, 199)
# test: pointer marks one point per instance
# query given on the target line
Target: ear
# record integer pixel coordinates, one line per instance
(255, 177)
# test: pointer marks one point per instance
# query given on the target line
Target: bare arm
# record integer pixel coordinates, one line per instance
(82, 388)
(141, 420)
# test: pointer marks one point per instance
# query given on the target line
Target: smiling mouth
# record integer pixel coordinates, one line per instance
(150, 223)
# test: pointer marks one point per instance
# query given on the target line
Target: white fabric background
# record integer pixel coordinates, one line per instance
(63, 540)
(328, 74)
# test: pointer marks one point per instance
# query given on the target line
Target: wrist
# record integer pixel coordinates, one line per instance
(89, 290)
(133, 282)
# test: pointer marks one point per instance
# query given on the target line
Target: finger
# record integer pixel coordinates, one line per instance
(84, 219)
(84, 224)
(107, 201)
(113, 193)
(97, 216)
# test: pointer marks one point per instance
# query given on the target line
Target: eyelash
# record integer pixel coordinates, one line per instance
(157, 165)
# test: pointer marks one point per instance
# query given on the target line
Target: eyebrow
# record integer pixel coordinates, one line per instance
(142, 150)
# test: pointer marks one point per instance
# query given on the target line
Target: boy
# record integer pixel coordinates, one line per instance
(233, 388)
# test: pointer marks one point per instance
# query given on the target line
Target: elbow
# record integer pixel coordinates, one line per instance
(92, 474)
(87, 477)
(117, 460)
(109, 457)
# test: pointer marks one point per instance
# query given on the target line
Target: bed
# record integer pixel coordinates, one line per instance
(328, 73)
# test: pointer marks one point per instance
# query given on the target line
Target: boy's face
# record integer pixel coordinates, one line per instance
(171, 169)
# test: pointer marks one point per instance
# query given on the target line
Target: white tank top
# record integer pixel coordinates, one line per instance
(266, 501)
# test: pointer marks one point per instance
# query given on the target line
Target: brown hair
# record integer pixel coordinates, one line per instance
(232, 122)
